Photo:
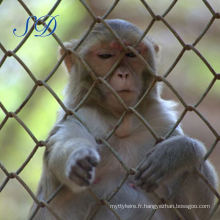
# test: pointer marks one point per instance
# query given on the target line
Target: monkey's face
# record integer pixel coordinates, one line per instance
(126, 79)
(126, 73)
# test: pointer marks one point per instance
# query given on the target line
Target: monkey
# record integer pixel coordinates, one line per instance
(77, 157)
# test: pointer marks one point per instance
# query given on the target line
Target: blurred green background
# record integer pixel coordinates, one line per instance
(190, 77)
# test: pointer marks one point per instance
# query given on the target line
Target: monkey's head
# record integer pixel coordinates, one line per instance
(102, 51)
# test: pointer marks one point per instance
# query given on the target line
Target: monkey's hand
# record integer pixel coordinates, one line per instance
(81, 164)
(169, 159)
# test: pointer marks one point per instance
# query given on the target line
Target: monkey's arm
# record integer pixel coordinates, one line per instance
(192, 190)
(72, 155)
(171, 160)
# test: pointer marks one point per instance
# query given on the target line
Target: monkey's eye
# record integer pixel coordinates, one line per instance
(130, 54)
(105, 55)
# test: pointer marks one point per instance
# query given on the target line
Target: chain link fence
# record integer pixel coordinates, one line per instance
(44, 83)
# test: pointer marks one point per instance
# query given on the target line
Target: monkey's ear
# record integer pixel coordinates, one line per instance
(157, 51)
(157, 48)
(70, 58)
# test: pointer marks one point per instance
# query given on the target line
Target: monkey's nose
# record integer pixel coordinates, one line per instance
(123, 75)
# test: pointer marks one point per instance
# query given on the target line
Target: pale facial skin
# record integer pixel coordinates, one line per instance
(126, 80)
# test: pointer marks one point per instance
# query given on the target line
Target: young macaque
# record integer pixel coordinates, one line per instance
(77, 158)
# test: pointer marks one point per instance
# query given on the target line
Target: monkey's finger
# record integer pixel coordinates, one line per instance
(154, 178)
(137, 175)
(149, 172)
(93, 160)
(143, 177)
(74, 176)
(84, 164)
(141, 170)
(150, 184)
(79, 179)
(146, 165)
(80, 172)
(153, 182)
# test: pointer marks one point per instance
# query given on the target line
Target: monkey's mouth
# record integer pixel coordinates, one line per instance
(127, 95)
(125, 91)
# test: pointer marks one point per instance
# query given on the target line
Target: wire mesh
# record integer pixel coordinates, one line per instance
(44, 83)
